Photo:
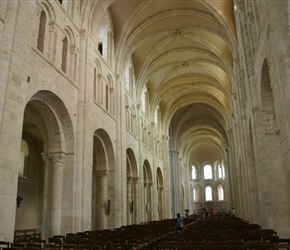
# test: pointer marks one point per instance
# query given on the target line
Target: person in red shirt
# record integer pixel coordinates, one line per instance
(212, 212)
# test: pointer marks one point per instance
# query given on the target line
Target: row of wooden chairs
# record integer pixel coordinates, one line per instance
(126, 237)
(222, 246)
(224, 233)
(228, 233)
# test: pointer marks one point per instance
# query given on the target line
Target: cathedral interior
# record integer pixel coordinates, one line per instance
(120, 112)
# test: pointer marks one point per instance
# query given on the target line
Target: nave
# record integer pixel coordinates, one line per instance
(222, 232)
(124, 112)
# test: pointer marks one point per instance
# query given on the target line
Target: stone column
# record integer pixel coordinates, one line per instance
(150, 201)
(82, 219)
(45, 222)
(57, 160)
(129, 200)
(160, 201)
(144, 213)
(136, 212)
(103, 199)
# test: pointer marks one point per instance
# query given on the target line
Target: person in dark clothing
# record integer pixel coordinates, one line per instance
(179, 222)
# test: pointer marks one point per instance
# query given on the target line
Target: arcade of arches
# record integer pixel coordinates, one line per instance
(121, 112)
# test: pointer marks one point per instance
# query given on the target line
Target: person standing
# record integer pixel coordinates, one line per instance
(233, 212)
(206, 213)
(212, 212)
(179, 222)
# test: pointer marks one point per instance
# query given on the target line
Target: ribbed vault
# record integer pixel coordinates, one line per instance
(182, 52)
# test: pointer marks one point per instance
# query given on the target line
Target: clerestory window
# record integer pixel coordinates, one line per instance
(207, 172)
(193, 172)
(208, 193)
(23, 162)
(220, 191)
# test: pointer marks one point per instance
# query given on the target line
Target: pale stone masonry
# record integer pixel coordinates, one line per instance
(110, 112)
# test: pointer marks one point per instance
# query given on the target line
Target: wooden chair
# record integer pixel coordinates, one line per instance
(260, 247)
(55, 241)
(69, 247)
(39, 241)
(166, 247)
(4, 244)
(52, 247)
(33, 246)
(234, 247)
(71, 241)
(280, 241)
(59, 238)
(70, 235)
(211, 245)
(269, 239)
(89, 247)
(268, 232)
(188, 247)
(11, 248)
(22, 241)
(105, 244)
(255, 227)
(282, 246)
(17, 245)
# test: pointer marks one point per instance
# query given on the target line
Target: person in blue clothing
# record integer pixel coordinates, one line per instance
(179, 222)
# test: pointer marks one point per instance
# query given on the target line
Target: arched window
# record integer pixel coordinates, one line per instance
(156, 117)
(221, 171)
(133, 119)
(220, 192)
(105, 37)
(64, 54)
(193, 172)
(23, 162)
(107, 96)
(143, 100)
(129, 78)
(95, 84)
(208, 193)
(207, 172)
(41, 32)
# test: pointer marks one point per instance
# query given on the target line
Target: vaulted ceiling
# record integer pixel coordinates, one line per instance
(182, 52)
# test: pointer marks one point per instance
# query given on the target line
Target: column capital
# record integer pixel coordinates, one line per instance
(44, 156)
(102, 172)
(56, 157)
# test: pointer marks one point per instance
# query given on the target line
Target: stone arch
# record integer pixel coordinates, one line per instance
(132, 187)
(57, 120)
(69, 53)
(270, 165)
(45, 5)
(147, 172)
(103, 181)
(160, 187)
(48, 130)
(131, 159)
(148, 182)
(45, 37)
